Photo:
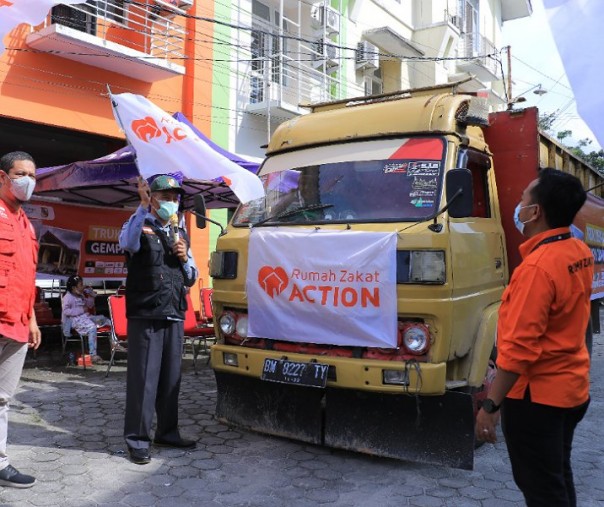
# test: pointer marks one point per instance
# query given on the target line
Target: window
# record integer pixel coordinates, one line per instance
(479, 164)
(373, 83)
(469, 13)
(266, 49)
(391, 180)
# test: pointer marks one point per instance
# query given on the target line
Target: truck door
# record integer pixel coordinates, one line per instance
(478, 262)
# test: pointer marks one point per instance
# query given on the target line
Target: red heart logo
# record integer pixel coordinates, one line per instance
(145, 129)
(272, 280)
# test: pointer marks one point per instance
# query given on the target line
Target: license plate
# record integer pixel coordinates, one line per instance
(291, 372)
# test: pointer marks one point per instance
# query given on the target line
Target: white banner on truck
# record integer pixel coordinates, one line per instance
(323, 287)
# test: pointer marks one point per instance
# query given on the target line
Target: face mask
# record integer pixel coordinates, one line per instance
(517, 222)
(166, 209)
(23, 188)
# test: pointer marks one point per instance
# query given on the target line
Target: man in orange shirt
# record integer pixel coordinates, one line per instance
(543, 363)
(18, 259)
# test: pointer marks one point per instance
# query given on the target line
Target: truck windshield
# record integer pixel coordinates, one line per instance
(375, 181)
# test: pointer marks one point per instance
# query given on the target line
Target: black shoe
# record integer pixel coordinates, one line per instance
(179, 444)
(139, 456)
(12, 478)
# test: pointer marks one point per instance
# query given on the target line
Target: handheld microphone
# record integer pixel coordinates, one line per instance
(174, 233)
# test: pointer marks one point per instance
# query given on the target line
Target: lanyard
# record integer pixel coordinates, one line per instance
(552, 239)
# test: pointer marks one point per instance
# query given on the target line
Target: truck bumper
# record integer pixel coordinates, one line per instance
(436, 429)
(346, 373)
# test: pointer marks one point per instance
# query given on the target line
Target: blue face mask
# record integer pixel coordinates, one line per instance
(166, 209)
(519, 223)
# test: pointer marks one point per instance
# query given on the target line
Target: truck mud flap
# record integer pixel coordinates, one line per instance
(268, 407)
(434, 430)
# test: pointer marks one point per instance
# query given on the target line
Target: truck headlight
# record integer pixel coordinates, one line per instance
(416, 338)
(223, 265)
(427, 266)
(241, 326)
(227, 323)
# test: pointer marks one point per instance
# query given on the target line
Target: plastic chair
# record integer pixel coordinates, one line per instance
(71, 335)
(119, 328)
(196, 331)
(207, 314)
(206, 305)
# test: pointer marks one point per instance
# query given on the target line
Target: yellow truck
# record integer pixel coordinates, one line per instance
(356, 304)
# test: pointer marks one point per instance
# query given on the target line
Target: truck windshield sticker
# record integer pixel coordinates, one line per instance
(420, 148)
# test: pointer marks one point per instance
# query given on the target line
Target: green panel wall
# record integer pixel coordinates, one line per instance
(221, 86)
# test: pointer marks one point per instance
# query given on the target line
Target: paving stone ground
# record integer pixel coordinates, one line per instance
(66, 425)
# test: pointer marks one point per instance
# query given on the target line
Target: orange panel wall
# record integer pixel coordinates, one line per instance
(48, 89)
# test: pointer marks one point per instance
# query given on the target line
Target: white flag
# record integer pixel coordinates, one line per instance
(32, 12)
(577, 29)
(164, 144)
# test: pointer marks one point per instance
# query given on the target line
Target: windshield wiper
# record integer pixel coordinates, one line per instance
(292, 212)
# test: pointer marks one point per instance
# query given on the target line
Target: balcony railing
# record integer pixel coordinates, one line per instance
(149, 34)
(474, 47)
(281, 82)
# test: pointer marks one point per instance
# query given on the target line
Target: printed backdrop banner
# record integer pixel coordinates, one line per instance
(162, 141)
(326, 287)
(588, 227)
(78, 240)
(32, 12)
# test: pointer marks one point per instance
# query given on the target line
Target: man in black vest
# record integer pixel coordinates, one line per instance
(160, 270)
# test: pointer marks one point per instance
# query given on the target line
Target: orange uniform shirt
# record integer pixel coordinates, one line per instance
(543, 319)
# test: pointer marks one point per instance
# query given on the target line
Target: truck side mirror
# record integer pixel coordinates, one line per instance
(460, 193)
(200, 211)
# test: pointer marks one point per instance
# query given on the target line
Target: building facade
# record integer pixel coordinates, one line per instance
(236, 70)
(284, 53)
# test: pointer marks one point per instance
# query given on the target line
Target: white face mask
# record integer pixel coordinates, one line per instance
(23, 188)
(517, 222)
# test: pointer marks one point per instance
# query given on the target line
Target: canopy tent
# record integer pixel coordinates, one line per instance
(111, 180)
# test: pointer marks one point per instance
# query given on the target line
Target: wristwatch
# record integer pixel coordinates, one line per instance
(488, 405)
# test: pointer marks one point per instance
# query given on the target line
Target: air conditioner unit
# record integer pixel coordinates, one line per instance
(83, 18)
(367, 55)
(326, 53)
(326, 17)
(457, 21)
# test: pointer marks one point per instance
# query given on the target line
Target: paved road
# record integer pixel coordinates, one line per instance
(66, 428)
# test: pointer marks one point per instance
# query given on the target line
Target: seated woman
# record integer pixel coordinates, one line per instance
(74, 308)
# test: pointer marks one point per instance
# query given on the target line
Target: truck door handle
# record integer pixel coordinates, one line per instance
(498, 263)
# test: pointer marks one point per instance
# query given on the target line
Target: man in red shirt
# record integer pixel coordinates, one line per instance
(543, 363)
(18, 259)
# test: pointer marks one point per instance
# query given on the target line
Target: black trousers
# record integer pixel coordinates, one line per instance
(153, 380)
(539, 440)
